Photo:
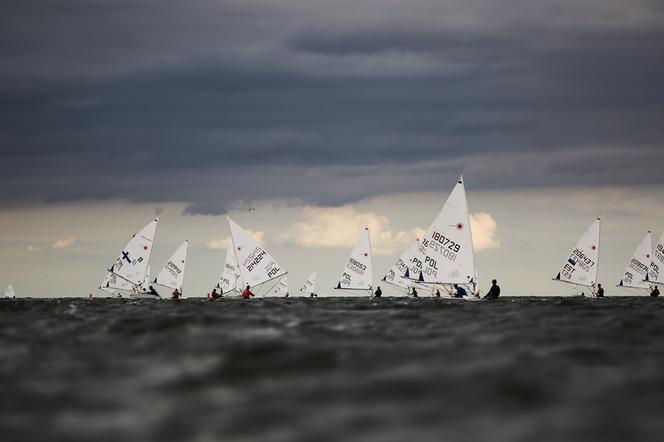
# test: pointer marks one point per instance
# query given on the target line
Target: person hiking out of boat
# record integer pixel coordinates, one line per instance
(494, 291)
(215, 294)
(152, 291)
(655, 292)
(437, 293)
(600, 291)
(460, 292)
(246, 294)
(177, 294)
(378, 293)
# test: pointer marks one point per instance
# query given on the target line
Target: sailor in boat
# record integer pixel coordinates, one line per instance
(246, 294)
(313, 295)
(378, 293)
(437, 293)
(177, 294)
(152, 291)
(655, 292)
(215, 294)
(494, 291)
(414, 293)
(460, 292)
(600, 291)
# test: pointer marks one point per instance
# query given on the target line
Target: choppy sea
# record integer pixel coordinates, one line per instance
(516, 369)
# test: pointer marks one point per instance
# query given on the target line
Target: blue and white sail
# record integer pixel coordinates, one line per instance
(132, 264)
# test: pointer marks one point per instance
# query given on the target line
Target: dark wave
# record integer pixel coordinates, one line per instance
(517, 369)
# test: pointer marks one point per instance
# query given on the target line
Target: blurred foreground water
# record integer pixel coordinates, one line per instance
(518, 369)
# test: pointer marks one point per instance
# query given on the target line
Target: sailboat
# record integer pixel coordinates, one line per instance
(406, 264)
(636, 272)
(309, 285)
(257, 268)
(281, 289)
(129, 271)
(116, 286)
(655, 274)
(172, 274)
(445, 256)
(358, 272)
(580, 269)
(9, 292)
(230, 281)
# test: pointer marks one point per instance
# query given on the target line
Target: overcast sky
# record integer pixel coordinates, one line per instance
(111, 110)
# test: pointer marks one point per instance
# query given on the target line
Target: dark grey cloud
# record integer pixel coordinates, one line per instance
(327, 102)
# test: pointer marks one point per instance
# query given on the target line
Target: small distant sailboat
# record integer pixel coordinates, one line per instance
(636, 272)
(358, 272)
(281, 290)
(580, 269)
(257, 268)
(172, 274)
(655, 274)
(9, 292)
(445, 255)
(309, 285)
(130, 270)
(230, 281)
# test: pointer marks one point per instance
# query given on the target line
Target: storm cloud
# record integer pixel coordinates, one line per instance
(215, 102)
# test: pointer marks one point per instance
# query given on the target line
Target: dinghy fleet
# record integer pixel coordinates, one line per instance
(441, 260)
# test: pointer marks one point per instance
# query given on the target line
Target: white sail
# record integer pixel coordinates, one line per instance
(9, 292)
(405, 265)
(172, 274)
(309, 285)
(230, 279)
(281, 289)
(256, 265)
(358, 273)
(445, 254)
(656, 271)
(146, 281)
(112, 283)
(636, 271)
(132, 264)
(581, 266)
